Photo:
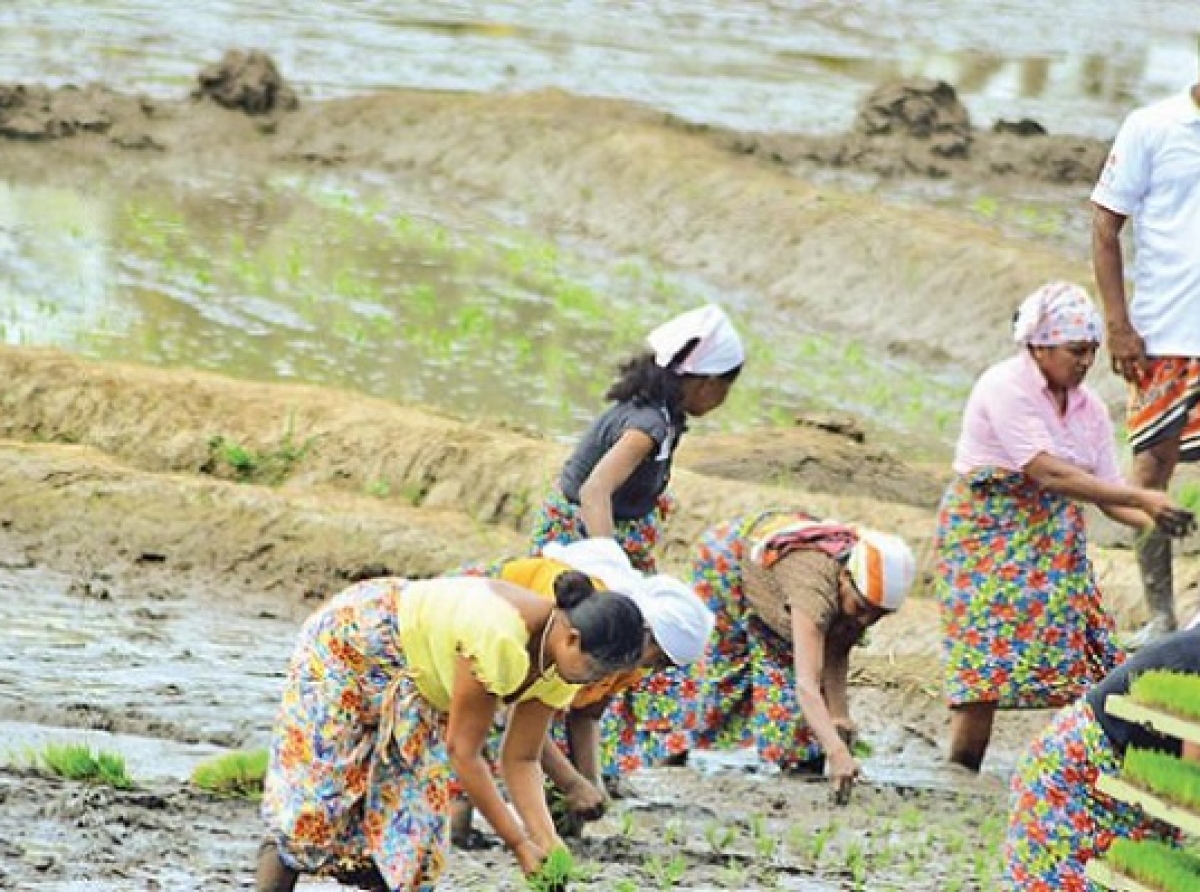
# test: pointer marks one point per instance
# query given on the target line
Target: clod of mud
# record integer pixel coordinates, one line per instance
(1023, 127)
(920, 128)
(36, 113)
(248, 81)
(920, 108)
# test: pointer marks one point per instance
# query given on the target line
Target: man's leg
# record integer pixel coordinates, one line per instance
(1152, 468)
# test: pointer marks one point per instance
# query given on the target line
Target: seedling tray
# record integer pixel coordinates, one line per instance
(1102, 874)
(1152, 804)
(1124, 707)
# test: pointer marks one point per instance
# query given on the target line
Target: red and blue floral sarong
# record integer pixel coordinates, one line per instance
(1022, 621)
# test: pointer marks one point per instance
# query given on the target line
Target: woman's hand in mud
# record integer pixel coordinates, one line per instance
(1168, 517)
(844, 770)
(530, 856)
(586, 801)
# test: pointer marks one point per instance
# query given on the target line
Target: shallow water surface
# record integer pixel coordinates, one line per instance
(312, 281)
(1076, 65)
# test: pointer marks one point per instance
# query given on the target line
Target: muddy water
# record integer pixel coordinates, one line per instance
(155, 666)
(305, 280)
(1076, 64)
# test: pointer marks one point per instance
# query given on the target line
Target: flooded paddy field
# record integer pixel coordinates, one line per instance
(354, 338)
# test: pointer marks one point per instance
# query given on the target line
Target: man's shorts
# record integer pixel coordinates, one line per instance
(1166, 404)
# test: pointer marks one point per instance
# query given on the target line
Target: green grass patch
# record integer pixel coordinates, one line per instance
(78, 761)
(232, 460)
(1175, 692)
(239, 773)
(1156, 864)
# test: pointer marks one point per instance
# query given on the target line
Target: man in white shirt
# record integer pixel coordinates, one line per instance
(1153, 176)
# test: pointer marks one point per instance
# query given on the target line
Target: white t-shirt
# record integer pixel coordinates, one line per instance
(1153, 175)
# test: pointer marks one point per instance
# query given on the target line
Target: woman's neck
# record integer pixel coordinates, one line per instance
(1059, 395)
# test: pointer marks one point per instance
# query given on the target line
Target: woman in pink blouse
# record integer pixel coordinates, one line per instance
(1022, 621)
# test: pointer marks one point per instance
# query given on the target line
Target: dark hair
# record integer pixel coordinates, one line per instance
(645, 382)
(611, 627)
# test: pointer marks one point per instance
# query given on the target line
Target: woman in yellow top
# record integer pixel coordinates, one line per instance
(393, 688)
(677, 630)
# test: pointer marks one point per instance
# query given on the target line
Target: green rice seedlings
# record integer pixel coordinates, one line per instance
(78, 761)
(1176, 692)
(673, 831)
(856, 864)
(719, 836)
(861, 749)
(239, 773)
(557, 872)
(734, 875)
(820, 839)
(667, 872)
(1164, 775)
(1188, 496)
(1156, 864)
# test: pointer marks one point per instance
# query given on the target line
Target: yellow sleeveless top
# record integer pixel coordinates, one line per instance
(440, 619)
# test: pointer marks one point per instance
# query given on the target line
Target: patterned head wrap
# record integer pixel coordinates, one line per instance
(883, 568)
(718, 348)
(1057, 313)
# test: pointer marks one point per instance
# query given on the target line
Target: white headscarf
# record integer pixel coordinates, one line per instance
(679, 621)
(718, 349)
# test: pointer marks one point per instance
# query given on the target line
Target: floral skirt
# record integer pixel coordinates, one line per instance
(743, 692)
(358, 765)
(1022, 621)
(1059, 821)
(559, 520)
(646, 723)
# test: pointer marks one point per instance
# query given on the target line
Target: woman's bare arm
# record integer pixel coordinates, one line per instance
(610, 473)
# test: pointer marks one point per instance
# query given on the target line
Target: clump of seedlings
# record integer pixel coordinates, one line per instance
(1156, 864)
(239, 773)
(1165, 775)
(1175, 692)
(557, 872)
(78, 761)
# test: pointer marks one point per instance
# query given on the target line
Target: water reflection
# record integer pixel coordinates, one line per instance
(304, 281)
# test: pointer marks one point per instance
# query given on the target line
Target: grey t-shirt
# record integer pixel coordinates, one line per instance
(636, 497)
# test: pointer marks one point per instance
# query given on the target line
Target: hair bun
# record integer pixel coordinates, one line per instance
(572, 588)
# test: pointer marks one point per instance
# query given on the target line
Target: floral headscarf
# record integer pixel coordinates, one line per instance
(1057, 313)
